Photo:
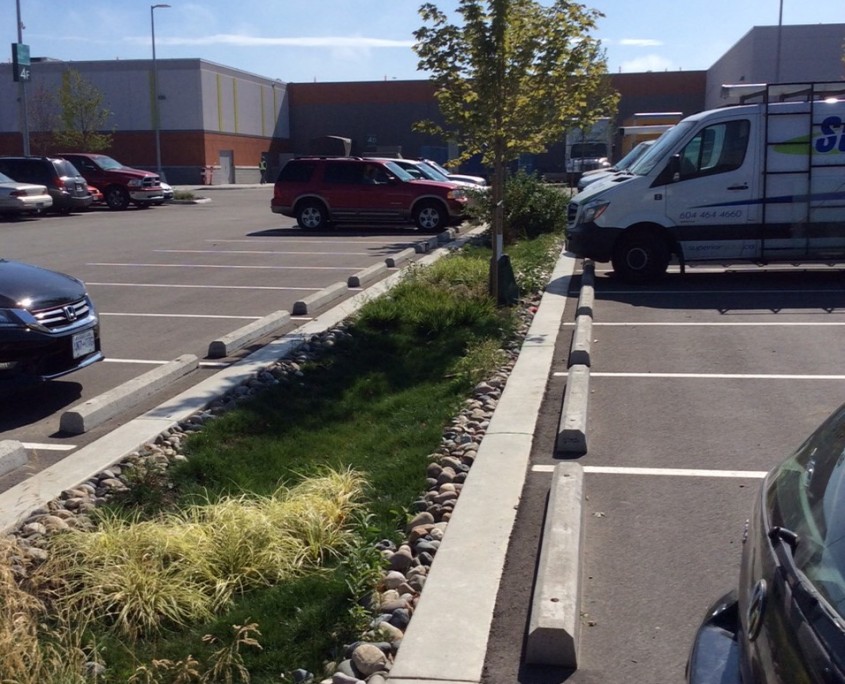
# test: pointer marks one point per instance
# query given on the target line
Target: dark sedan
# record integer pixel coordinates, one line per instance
(48, 325)
(785, 623)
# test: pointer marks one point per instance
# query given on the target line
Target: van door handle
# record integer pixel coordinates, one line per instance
(744, 186)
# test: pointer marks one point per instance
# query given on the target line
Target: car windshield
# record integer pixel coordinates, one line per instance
(431, 173)
(644, 165)
(399, 171)
(633, 155)
(437, 167)
(107, 162)
(806, 495)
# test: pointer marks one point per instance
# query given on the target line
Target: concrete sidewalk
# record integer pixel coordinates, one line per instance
(447, 639)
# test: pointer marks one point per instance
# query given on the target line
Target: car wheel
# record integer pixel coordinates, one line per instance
(116, 198)
(311, 216)
(640, 256)
(430, 217)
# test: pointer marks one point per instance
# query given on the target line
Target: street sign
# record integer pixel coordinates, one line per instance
(21, 69)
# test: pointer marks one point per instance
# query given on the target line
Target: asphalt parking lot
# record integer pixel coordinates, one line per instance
(699, 385)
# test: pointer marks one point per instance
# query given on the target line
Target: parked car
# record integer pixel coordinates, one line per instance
(121, 185)
(66, 186)
(22, 198)
(590, 177)
(166, 194)
(96, 195)
(48, 325)
(786, 621)
(318, 191)
(422, 171)
(477, 180)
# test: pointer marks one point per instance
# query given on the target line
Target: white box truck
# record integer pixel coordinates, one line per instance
(759, 183)
(588, 149)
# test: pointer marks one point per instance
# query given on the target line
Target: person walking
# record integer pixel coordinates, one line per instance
(262, 169)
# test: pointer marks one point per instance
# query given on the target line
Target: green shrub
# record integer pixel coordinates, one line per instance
(531, 206)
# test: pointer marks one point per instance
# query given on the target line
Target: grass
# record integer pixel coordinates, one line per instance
(251, 564)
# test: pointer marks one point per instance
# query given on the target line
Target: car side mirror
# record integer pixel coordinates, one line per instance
(672, 172)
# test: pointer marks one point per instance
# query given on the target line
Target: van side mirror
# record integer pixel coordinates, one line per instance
(672, 172)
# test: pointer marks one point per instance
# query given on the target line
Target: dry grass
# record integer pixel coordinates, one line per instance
(143, 576)
(140, 577)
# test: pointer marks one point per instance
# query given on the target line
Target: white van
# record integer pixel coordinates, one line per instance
(758, 183)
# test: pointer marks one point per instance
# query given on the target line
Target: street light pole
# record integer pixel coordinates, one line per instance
(777, 51)
(155, 90)
(22, 89)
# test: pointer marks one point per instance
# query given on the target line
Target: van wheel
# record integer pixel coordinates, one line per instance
(116, 197)
(640, 256)
(430, 217)
(311, 216)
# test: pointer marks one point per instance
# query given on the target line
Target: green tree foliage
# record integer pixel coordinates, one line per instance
(511, 78)
(43, 117)
(82, 116)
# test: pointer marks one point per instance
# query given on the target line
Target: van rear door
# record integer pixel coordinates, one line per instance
(710, 196)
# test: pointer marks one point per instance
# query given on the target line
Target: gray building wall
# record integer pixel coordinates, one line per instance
(811, 52)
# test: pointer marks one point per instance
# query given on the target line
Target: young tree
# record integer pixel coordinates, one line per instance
(511, 79)
(43, 118)
(82, 117)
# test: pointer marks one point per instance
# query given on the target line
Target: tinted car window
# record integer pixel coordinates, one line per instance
(296, 172)
(340, 172)
(65, 168)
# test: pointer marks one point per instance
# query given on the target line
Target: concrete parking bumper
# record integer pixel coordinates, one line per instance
(240, 338)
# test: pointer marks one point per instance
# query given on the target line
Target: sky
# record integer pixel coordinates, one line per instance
(371, 40)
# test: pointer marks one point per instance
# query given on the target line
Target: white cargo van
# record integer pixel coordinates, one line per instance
(758, 183)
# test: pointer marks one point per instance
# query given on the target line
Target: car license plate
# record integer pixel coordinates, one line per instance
(83, 343)
(39, 205)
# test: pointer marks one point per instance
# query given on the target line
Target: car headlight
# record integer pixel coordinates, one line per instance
(457, 194)
(593, 210)
(135, 183)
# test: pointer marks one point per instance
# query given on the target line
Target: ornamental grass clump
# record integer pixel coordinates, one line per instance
(140, 577)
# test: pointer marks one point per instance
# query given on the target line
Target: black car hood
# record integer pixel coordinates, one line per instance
(42, 287)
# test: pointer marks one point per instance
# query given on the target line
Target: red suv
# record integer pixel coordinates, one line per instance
(318, 191)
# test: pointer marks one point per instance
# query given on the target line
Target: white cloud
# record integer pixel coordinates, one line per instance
(640, 42)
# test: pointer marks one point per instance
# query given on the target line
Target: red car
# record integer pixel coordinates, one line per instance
(318, 191)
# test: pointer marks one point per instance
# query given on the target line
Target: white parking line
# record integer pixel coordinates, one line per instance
(165, 315)
(234, 266)
(204, 287)
(716, 324)
(707, 376)
(651, 293)
(257, 251)
(48, 447)
(291, 241)
(153, 362)
(670, 472)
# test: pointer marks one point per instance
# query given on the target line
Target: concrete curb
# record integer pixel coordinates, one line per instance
(478, 533)
(572, 429)
(555, 624)
(398, 259)
(241, 337)
(12, 456)
(320, 298)
(98, 410)
(367, 276)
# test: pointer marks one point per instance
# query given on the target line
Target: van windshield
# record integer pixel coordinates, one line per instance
(657, 152)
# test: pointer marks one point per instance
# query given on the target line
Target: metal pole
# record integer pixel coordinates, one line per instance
(156, 126)
(777, 51)
(22, 89)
